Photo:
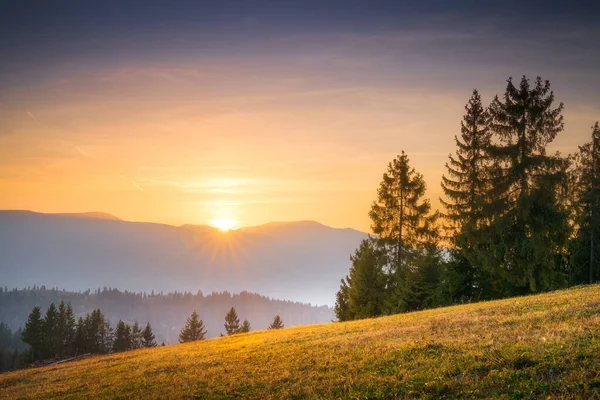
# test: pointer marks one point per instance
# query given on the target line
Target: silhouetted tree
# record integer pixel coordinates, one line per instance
(529, 230)
(193, 330)
(405, 228)
(52, 339)
(66, 329)
(585, 250)
(466, 191)
(232, 322)
(33, 334)
(277, 323)
(148, 337)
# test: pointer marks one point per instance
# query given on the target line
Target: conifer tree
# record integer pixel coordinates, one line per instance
(193, 329)
(341, 308)
(33, 334)
(367, 281)
(122, 340)
(245, 328)
(399, 215)
(136, 336)
(66, 329)
(402, 221)
(148, 339)
(232, 322)
(52, 339)
(528, 228)
(466, 189)
(585, 247)
(277, 323)
(80, 342)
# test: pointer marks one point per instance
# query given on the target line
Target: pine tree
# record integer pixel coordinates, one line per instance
(366, 281)
(136, 336)
(52, 339)
(245, 328)
(341, 308)
(277, 323)
(232, 322)
(193, 330)
(122, 340)
(585, 249)
(528, 229)
(466, 189)
(33, 334)
(148, 337)
(401, 219)
(66, 329)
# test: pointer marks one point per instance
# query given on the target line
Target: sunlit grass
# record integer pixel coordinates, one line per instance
(528, 347)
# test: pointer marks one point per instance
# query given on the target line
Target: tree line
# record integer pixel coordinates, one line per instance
(166, 312)
(516, 218)
(57, 335)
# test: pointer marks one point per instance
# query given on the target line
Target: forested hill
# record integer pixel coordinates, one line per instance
(298, 261)
(166, 312)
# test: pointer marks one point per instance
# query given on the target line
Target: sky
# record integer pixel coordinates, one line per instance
(256, 111)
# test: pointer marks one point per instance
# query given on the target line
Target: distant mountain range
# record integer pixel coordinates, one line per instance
(300, 261)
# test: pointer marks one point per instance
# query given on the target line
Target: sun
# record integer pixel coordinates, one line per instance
(223, 224)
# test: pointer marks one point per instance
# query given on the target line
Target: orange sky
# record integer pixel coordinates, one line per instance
(282, 153)
(190, 126)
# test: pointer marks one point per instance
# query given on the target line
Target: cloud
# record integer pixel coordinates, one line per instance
(33, 117)
(134, 183)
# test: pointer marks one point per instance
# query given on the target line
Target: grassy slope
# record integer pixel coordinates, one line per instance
(537, 346)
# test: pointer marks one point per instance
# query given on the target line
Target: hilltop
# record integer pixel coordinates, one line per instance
(529, 347)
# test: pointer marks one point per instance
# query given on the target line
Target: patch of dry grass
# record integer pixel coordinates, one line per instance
(529, 347)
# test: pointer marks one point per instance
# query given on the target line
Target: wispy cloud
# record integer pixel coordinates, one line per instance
(33, 117)
(138, 187)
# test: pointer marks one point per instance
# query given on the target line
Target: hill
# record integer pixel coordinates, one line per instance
(530, 347)
(298, 261)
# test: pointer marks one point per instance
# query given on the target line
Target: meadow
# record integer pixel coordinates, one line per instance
(542, 346)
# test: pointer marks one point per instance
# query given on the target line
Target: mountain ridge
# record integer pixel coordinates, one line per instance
(298, 261)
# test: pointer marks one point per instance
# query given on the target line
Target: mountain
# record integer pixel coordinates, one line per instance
(298, 261)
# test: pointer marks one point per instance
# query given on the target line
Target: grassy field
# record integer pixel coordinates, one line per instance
(545, 346)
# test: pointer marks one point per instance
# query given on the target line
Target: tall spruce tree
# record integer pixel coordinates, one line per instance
(277, 323)
(466, 189)
(193, 329)
(52, 339)
(66, 329)
(528, 228)
(585, 245)
(402, 221)
(232, 322)
(367, 281)
(33, 334)
(148, 339)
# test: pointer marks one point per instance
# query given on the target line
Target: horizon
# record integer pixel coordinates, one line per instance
(235, 114)
(96, 214)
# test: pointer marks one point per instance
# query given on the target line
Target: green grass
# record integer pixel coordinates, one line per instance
(545, 346)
